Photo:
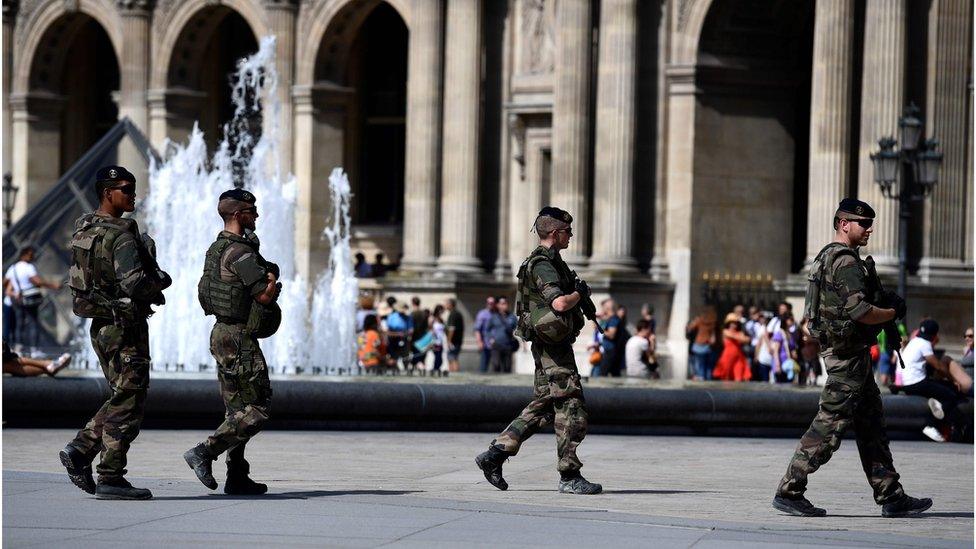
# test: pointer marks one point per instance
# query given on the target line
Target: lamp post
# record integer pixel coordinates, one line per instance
(9, 196)
(907, 175)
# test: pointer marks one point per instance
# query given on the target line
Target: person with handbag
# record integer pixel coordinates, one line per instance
(25, 297)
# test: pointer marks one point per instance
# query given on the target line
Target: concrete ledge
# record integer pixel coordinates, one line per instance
(304, 404)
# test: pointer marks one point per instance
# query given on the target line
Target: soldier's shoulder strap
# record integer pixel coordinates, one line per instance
(829, 254)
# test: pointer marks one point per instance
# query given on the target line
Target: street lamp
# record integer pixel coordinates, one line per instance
(907, 175)
(9, 196)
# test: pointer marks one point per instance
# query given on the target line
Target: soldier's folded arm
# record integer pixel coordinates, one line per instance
(254, 276)
(851, 282)
(547, 280)
(134, 280)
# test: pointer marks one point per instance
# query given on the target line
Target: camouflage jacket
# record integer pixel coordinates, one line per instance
(108, 261)
(542, 278)
(843, 300)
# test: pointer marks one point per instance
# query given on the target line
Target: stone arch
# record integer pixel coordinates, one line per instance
(341, 18)
(168, 28)
(32, 29)
(193, 88)
(66, 80)
(333, 122)
(751, 137)
(688, 23)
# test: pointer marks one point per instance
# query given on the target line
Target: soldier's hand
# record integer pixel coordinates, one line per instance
(895, 301)
(583, 288)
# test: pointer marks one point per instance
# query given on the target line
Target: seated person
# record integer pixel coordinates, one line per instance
(916, 380)
(19, 366)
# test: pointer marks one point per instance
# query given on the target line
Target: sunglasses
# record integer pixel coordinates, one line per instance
(567, 231)
(864, 223)
(968, 335)
(248, 210)
(127, 189)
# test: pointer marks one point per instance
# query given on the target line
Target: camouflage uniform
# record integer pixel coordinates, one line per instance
(558, 391)
(108, 258)
(850, 397)
(241, 367)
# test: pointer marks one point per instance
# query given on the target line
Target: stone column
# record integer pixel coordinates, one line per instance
(424, 62)
(615, 113)
(571, 122)
(281, 22)
(9, 18)
(947, 116)
(134, 79)
(882, 102)
(462, 116)
(36, 147)
(830, 119)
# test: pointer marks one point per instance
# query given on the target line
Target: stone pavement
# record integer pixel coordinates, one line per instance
(375, 489)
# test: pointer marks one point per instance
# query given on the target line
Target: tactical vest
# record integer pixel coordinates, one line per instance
(229, 301)
(827, 321)
(535, 319)
(91, 276)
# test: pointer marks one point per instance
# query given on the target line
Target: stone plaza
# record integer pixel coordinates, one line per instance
(371, 489)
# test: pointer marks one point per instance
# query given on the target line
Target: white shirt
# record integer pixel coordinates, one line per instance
(19, 275)
(914, 356)
(635, 356)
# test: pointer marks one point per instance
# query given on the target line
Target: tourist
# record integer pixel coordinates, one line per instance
(501, 337)
(480, 328)
(26, 298)
(19, 366)
(732, 364)
(639, 352)
(455, 335)
(701, 334)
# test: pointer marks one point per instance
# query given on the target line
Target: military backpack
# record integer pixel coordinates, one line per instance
(827, 321)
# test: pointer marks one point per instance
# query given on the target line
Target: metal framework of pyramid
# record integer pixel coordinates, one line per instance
(48, 225)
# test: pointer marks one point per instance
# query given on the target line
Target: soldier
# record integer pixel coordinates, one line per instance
(114, 280)
(840, 315)
(549, 315)
(240, 288)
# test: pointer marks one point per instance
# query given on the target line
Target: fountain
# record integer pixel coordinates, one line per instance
(181, 214)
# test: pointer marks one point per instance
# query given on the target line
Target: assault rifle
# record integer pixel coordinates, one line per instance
(890, 328)
(586, 303)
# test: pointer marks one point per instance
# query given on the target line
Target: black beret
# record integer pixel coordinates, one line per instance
(556, 213)
(114, 173)
(239, 195)
(855, 207)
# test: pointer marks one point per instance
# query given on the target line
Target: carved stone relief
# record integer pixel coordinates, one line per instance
(537, 36)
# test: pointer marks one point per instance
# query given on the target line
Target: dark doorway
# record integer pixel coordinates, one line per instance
(204, 61)
(378, 73)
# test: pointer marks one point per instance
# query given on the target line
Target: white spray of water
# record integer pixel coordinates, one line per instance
(181, 215)
(334, 304)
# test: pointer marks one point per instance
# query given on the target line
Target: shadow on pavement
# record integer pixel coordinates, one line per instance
(947, 514)
(292, 495)
(651, 492)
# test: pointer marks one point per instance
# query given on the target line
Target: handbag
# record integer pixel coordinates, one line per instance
(31, 297)
(424, 343)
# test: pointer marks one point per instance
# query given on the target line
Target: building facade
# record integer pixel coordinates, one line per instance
(701, 145)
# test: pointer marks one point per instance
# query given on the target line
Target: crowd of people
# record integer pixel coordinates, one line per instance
(615, 351)
(394, 337)
(752, 345)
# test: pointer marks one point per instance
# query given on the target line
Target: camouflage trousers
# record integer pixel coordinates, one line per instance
(123, 353)
(558, 401)
(850, 399)
(244, 386)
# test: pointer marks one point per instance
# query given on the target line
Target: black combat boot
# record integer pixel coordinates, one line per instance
(79, 468)
(574, 483)
(905, 507)
(201, 460)
(238, 482)
(120, 489)
(798, 507)
(490, 462)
